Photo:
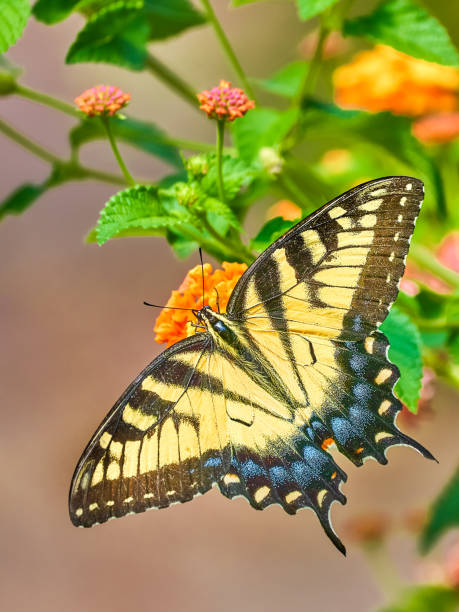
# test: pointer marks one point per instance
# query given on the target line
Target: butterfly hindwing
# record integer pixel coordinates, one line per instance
(311, 305)
(165, 440)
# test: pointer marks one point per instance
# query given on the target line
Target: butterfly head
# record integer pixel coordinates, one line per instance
(215, 323)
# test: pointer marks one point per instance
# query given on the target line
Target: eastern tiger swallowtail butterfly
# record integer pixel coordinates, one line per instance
(295, 364)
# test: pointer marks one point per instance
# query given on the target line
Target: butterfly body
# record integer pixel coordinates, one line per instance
(254, 400)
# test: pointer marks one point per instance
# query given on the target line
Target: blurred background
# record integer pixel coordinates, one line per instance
(75, 333)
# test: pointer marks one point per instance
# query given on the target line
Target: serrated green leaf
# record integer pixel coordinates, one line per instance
(118, 32)
(262, 127)
(21, 199)
(116, 35)
(409, 28)
(311, 8)
(13, 19)
(270, 232)
(286, 81)
(405, 351)
(443, 515)
(430, 598)
(140, 134)
(53, 11)
(136, 207)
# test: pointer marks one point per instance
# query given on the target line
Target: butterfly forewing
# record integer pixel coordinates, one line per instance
(312, 303)
(165, 441)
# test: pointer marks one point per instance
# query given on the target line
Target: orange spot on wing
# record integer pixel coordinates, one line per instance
(327, 443)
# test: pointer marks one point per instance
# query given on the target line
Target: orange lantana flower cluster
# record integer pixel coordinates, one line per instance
(224, 102)
(383, 79)
(102, 100)
(174, 325)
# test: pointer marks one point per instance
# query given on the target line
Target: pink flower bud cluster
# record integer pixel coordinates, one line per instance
(102, 100)
(224, 102)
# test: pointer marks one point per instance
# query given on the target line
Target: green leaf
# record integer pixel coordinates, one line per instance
(116, 35)
(53, 11)
(287, 81)
(443, 515)
(118, 32)
(270, 232)
(217, 210)
(183, 247)
(140, 134)
(170, 17)
(202, 175)
(405, 351)
(262, 127)
(408, 27)
(311, 8)
(137, 207)
(21, 199)
(426, 599)
(13, 18)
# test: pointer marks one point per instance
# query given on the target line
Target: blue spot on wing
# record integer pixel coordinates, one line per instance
(213, 462)
(278, 475)
(250, 469)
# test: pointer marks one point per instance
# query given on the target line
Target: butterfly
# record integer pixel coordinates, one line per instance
(254, 400)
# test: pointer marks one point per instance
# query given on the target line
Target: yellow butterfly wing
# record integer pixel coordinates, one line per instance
(164, 441)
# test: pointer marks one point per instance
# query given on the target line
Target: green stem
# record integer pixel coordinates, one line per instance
(212, 17)
(427, 261)
(236, 250)
(172, 80)
(74, 169)
(29, 144)
(116, 153)
(105, 177)
(383, 570)
(42, 98)
(220, 138)
(310, 80)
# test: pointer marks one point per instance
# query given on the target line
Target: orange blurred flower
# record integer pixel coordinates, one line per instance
(174, 325)
(336, 161)
(334, 45)
(368, 528)
(102, 100)
(286, 209)
(224, 102)
(436, 129)
(383, 79)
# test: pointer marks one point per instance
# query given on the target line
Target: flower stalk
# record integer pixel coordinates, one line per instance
(220, 138)
(127, 175)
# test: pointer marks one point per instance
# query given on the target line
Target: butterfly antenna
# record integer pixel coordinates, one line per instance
(218, 300)
(168, 307)
(202, 270)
